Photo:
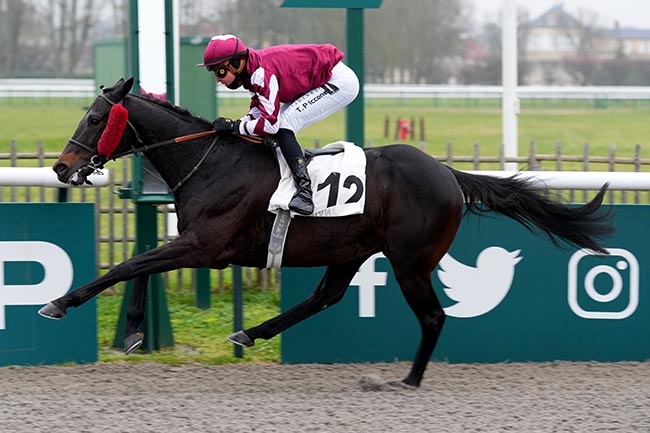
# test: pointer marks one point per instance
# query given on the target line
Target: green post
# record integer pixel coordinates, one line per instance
(198, 94)
(63, 195)
(197, 86)
(354, 55)
(354, 120)
(157, 325)
(202, 288)
(169, 51)
(238, 305)
(134, 46)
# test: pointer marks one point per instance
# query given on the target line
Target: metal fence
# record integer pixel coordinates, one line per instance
(114, 217)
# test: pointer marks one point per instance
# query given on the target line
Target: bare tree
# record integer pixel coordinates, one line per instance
(199, 17)
(263, 23)
(12, 15)
(118, 10)
(414, 41)
(70, 24)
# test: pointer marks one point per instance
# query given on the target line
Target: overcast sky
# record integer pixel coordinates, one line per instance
(629, 13)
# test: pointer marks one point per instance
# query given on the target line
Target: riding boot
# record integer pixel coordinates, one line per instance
(301, 202)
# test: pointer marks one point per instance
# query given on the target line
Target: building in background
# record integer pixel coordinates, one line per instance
(564, 49)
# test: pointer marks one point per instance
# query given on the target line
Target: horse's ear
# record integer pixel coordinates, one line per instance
(117, 85)
(128, 84)
(122, 87)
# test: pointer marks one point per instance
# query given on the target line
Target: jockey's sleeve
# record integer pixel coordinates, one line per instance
(254, 113)
(265, 103)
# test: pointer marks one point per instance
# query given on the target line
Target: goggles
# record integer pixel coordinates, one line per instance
(219, 70)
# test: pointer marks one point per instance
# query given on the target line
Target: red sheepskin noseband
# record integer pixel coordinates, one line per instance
(112, 134)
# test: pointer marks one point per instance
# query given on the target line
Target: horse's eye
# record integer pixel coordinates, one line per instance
(93, 120)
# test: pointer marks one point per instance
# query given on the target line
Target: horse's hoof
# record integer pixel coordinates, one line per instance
(241, 339)
(51, 311)
(132, 342)
(373, 382)
(396, 384)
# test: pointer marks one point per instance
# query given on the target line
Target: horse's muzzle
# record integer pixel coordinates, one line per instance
(70, 168)
(62, 171)
(73, 176)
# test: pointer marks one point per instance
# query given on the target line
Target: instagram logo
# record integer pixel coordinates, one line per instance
(603, 287)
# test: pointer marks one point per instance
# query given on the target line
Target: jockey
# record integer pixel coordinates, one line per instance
(310, 81)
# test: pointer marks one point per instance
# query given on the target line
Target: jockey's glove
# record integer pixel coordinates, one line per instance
(270, 141)
(224, 124)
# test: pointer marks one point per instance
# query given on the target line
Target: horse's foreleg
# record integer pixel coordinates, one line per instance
(329, 291)
(173, 255)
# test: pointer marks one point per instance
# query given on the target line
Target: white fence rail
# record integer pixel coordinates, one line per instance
(44, 176)
(587, 180)
(47, 88)
(486, 92)
(582, 180)
(75, 88)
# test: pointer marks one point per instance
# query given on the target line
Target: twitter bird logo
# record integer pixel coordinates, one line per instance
(478, 290)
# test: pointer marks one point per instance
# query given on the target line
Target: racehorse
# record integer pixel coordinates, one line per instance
(222, 185)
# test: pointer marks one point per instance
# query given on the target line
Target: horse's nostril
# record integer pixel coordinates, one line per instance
(60, 167)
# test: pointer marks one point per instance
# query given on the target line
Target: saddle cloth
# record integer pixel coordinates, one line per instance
(338, 182)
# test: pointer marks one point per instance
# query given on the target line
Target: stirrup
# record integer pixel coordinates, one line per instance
(302, 205)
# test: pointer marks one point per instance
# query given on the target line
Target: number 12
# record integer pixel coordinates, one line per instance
(333, 181)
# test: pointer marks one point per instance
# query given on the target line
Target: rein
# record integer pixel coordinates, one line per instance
(148, 147)
(182, 138)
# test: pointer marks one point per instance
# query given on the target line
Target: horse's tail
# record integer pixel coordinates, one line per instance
(517, 198)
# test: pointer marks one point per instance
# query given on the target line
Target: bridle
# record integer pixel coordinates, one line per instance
(97, 160)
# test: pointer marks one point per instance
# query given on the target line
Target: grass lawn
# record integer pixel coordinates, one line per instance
(464, 126)
(199, 335)
(54, 123)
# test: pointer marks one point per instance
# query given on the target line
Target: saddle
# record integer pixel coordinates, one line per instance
(312, 153)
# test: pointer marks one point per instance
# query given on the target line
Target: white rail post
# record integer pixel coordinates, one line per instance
(43, 176)
(509, 102)
(589, 180)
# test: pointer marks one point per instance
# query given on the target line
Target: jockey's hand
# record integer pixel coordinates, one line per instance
(270, 141)
(223, 124)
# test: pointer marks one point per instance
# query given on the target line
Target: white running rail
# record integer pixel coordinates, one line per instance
(633, 181)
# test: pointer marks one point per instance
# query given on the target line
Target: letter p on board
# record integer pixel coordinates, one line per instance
(57, 279)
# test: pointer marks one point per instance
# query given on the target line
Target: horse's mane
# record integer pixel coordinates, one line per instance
(175, 109)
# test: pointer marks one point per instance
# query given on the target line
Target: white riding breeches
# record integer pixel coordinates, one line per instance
(319, 103)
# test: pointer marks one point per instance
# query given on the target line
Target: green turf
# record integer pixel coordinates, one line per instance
(199, 335)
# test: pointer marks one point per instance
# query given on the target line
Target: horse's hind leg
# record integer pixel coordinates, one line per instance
(328, 292)
(418, 291)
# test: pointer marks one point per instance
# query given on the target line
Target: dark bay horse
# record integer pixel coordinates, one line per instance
(414, 205)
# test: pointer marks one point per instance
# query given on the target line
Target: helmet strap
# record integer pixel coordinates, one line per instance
(236, 67)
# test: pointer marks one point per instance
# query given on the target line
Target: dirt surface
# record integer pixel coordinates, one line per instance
(531, 397)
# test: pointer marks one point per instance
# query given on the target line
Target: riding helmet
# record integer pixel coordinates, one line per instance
(227, 51)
